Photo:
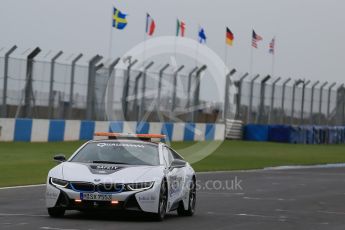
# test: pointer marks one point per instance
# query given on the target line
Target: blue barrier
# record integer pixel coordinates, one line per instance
(256, 132)
(210, 130)
(143, 127)
(167, 129)
(189, 132)
(279, 133)
(87, 129)
(116, 126)
(22, 130)
(56, 130)
(304, 134)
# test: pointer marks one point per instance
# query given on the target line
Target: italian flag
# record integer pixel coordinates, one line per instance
(180, 28)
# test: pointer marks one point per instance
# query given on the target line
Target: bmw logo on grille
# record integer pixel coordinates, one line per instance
(97, 180)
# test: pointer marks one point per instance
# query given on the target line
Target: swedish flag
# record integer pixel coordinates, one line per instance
(119, 19)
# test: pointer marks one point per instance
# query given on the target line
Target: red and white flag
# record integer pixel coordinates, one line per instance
(150, 25)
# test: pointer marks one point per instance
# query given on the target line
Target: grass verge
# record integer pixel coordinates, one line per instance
(29, 163)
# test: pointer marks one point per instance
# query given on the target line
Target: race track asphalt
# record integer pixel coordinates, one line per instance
(263, 199)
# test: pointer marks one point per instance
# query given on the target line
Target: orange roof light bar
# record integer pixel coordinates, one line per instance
(129, 135)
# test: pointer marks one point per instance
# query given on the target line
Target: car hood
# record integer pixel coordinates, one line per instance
(110, 173)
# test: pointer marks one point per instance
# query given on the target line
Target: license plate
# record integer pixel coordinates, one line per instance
(92, 196)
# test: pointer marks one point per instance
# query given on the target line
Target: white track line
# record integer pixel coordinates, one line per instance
(21, 214)
(23, 186)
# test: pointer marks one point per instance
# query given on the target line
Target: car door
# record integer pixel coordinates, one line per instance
(175, 178)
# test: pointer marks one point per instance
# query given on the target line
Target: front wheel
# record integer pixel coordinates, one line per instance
(56, 212)
(163, 200)
(191, 202)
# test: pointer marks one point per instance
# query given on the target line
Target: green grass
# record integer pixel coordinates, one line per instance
(28, 163)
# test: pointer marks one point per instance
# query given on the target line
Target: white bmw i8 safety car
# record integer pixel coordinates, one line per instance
(122, 172)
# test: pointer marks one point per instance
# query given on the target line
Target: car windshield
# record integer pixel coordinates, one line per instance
(132, 153)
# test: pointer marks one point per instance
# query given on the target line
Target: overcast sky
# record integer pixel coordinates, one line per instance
(310, 34)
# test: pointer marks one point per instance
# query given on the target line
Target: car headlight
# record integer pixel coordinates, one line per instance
(58, 182)
(140, 186)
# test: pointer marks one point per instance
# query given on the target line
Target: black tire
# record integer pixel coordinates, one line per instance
(56, 212)
(191, 202)
(163, 201)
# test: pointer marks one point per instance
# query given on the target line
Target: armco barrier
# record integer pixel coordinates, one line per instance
(296, 134)
(39, 130)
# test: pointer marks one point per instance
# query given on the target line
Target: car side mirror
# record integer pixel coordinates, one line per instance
(177, 164)
(60, 158)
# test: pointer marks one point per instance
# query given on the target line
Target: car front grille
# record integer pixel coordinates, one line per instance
(83, 186)
(102, 188)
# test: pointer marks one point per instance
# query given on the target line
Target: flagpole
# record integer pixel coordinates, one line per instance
(251, 60)
(225, 57)
(273, 64)
(273, 57)
(145, 39)
(176, 35)
(196, 54)
(197, 49)
(111, 35)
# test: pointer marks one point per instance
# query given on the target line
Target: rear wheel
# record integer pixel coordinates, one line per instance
(191, 202)
(163, 200)
(56, 212)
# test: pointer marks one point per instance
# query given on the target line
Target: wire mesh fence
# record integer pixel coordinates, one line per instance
(297, 103)
(54, 90)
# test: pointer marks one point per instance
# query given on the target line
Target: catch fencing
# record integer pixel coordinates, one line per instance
(267, 100)
(33, 88)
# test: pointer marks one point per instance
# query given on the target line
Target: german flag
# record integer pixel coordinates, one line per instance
(229, 37)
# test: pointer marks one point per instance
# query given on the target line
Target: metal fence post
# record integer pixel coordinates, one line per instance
(226, 93)
(197, 91)
(320, 101)
(339, 109)
(173, 104)
(135, 103)
(126, 88)
(189, 85)
(90, 97)
(29, 94)
(249, 115)
(238, 84)
(302, 104)
(158, 99)
(272, 99)
(312, 102)
(143, 89)
(109, 93)
(329, 101)
(343, 110)
(112, 66)
(161, 72)
(71, 89)
(297, 82)
(51, 84)
(97, 115)
(283, 100)
(260, 116)
(4, 92)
